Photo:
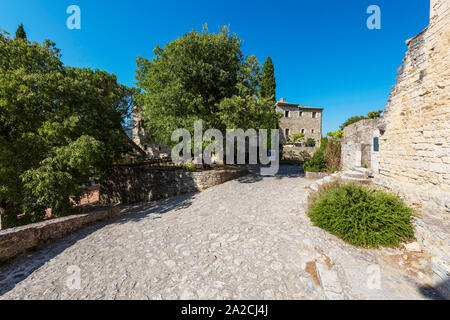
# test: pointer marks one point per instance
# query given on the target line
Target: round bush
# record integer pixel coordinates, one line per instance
(361, 215)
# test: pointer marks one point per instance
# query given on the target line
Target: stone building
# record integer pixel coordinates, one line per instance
(299, 119)
(140, 137)
(414, 139)
(415, 144)
(360, 145)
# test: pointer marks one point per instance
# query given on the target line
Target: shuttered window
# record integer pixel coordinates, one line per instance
(376, 144)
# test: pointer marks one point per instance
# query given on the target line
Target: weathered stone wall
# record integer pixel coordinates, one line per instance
(133, 184)
(414, 154)
(293, 151)
(17, 240)
(357, 145)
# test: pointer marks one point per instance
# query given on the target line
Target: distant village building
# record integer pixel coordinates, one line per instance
(300, 119)
(296, 119)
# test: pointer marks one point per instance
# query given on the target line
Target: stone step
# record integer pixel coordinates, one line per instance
(355, 174)
(347, 179)
(367, 172)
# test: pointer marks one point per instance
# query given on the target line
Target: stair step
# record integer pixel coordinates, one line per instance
(367, 172)
(355, 180)
(355, 174)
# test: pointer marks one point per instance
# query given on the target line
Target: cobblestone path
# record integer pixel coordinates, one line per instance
(245, 239)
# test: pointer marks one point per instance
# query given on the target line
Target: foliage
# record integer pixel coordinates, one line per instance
(202, 76)
(190, 167)
(375, 114)
(352, 120)
(59, 127)
(370, 115)
(318, 162)
(336, 135)
(268, 82)
(332, 154)
(20, 32)
(298, 136)
(361, 215)
(310, 142)
(305, 156)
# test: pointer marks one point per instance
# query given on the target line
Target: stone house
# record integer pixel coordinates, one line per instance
(299, 119)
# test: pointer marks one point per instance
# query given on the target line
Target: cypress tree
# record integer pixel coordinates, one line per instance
(268, 83)
(20, 33)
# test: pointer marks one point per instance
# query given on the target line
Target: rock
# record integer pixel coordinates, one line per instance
(413, 247)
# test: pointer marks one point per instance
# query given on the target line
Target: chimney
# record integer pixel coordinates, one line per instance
(283, 100)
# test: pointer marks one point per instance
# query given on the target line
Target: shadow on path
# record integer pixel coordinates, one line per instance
(20, 268)
(439, 292)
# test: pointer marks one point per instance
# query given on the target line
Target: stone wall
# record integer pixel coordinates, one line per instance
(414, 154)
(141, 183)
(358, 145)
(18, 240)
(294, 151)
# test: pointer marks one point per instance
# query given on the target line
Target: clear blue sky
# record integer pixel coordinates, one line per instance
(324, 54)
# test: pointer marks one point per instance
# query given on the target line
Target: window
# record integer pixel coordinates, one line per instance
(314, 115)
(312, 130)
(303, 131)
(286, 114)
(287, 133)
(376, 144)
(300, 114)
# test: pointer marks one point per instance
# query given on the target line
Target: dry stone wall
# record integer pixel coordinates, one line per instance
(414, 154)
(132, 184)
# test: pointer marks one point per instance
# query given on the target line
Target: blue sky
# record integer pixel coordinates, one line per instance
(324, 54)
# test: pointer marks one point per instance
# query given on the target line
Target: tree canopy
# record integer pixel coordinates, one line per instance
(202, 76)
(268, 83)
(20, 32)
(59, 128)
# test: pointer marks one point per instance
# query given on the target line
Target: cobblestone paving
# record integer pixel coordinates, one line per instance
(245, 239)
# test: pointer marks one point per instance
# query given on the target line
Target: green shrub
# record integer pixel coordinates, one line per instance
(361, 215)
(298, 136)
(318, 162)
(310, 142)
(188, 167)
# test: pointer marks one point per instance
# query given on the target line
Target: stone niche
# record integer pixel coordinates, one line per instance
(360, 144)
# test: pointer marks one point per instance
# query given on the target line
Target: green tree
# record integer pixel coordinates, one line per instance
(202, 76)
(268, 83)
(375, 114)
(20, 32)
(59, 128)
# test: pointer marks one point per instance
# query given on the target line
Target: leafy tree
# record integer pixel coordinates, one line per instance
(336, 135)
(268, 83)
(20, 32)
(375, 114)
(202, 76)
(59, 127)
